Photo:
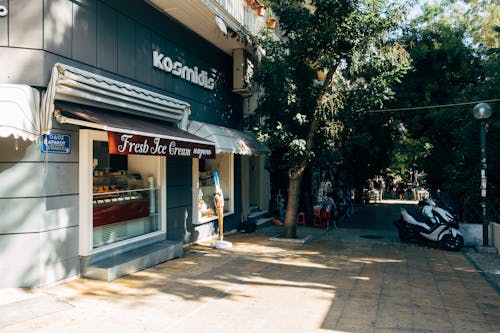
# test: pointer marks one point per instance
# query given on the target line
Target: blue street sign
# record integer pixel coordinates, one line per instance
(56, 143)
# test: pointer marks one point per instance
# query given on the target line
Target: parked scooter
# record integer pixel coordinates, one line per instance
(438, 214)
(432, 225)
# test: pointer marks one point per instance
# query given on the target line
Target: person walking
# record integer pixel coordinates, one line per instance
(401, 190)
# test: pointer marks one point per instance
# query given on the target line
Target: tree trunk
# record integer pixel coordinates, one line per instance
(296, 171)
(292, 204)
(295, 174)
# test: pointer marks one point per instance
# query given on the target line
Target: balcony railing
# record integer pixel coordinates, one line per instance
(241, 13)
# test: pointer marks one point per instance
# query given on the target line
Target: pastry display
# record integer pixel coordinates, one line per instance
(115, 187)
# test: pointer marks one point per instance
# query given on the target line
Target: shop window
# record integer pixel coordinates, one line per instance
(224, 165)
(124, 202)
(255, 185)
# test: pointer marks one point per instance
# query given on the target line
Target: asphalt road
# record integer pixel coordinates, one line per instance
(379, 216)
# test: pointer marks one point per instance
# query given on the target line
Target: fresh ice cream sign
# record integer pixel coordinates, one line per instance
(194, 75)
(125, 144)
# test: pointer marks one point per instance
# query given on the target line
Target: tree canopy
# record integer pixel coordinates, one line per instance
(455, 60)
(333, 59)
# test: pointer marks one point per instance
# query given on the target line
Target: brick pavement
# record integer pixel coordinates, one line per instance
(337, 283)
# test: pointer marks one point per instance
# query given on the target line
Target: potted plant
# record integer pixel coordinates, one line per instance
(271, 22)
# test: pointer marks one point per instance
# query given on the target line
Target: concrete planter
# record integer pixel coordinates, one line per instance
(495, 235)
(473, 233)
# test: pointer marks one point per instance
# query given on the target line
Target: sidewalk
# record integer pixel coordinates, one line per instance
(339, 282)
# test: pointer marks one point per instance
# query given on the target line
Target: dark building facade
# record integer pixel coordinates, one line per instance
(114, 117)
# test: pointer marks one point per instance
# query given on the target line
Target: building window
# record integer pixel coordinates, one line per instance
(224, 165)
(121, 195)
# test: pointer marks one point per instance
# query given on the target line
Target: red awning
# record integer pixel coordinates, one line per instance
(136, 130)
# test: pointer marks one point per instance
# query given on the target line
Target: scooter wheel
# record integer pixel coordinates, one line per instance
(451, 243)
(404, 237)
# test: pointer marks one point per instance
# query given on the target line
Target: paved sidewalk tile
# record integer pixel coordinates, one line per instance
(333, 283)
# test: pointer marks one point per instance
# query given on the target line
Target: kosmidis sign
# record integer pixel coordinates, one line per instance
(124, 144)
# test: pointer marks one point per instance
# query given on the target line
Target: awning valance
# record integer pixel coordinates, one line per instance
(19, 111)
(75, 85)
(175, 141)
(228, 140)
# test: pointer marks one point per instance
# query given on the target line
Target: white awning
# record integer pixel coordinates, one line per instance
(19, 111)
(74, 85)
(228, 140)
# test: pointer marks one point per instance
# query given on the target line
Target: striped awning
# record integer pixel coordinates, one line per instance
(74, 85)
(228, 140)
(19, 112)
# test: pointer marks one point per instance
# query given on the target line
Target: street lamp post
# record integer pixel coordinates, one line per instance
(482, 112)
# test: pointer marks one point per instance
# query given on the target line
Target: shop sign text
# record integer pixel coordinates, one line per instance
(191, 74)
(124, 144)
(56, 143)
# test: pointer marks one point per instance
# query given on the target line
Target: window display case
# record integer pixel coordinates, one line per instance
(205, 187)
(206, 190)
(118, 198)
(121, 196)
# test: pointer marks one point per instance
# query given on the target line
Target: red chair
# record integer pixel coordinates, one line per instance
(326, 217)
(317, 221)
(301, 218)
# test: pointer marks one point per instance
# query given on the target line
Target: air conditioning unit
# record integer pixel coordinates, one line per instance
(242, 72)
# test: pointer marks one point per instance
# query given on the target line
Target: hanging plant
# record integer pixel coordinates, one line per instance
(261, 10)
(254, 4)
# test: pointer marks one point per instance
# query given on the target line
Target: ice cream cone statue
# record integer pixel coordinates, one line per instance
(219, 206)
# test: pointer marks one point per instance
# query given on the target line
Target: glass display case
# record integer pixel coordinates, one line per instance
(123, 199)
(118, 197)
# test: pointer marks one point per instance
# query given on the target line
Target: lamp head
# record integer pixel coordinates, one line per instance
(482, 111)
(220, 23)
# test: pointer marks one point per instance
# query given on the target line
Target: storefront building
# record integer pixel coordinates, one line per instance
(112, 116)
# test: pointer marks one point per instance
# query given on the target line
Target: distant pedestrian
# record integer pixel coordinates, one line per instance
(400, 188)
